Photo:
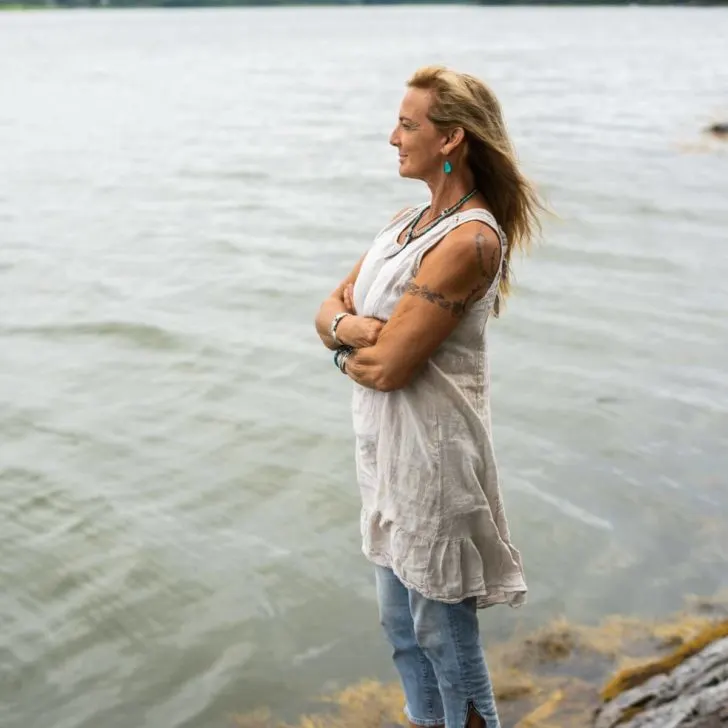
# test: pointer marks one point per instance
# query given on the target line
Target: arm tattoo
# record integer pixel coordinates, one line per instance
(490, 271)
(459, 308)
(456, 308)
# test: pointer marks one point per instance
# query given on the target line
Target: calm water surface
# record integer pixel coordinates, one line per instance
(179, 190)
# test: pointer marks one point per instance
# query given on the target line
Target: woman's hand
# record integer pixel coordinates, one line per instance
(359, 331)
(349, 298)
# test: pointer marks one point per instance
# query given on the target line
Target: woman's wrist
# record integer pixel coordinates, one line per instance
(346, 330)
(334, 327)
(341, 356)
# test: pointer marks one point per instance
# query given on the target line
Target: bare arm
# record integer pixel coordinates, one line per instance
(352, 330)
(332, 305)
(455, 274)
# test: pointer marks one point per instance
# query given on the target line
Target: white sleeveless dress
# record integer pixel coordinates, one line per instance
(431, 502)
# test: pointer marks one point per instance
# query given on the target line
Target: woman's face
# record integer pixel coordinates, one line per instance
(417, 139)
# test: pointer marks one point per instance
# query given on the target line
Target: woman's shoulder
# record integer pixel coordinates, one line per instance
(472, 217)
(476, 211)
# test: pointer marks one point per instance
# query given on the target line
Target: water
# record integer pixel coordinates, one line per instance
(179, 190)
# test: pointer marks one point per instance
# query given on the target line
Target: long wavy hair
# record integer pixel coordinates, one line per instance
(461, 100)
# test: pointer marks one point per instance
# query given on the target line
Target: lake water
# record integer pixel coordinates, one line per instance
(178, 192)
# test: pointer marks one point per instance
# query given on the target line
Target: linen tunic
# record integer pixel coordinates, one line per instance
(431, 502)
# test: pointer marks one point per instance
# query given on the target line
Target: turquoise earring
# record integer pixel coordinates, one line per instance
(447, 167)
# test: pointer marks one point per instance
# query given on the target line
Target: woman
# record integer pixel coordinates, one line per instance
(408, 325)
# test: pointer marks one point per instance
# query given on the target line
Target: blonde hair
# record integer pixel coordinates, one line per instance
(461, 100)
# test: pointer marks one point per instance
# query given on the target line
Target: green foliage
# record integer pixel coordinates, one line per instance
(37, 4)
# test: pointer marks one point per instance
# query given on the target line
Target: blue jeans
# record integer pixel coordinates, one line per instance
(438, 654)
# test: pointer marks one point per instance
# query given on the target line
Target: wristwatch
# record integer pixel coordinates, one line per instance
(335, 323)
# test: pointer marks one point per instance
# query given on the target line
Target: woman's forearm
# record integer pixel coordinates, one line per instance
(365, 367)
(329, 308)
(382, 367)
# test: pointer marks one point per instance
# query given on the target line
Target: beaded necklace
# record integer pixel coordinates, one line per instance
(411, 235)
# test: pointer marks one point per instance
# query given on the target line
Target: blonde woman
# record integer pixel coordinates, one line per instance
(408, 326)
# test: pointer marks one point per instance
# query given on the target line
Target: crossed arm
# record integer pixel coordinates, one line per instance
(452, 276)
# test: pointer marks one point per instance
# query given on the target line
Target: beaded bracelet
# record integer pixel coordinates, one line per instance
(341, 355)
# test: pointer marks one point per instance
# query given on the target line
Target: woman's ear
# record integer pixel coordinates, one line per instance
(454, 139)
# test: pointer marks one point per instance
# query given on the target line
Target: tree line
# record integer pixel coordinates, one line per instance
(236, 3)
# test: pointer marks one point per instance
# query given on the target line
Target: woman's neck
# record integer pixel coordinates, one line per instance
(447, 191)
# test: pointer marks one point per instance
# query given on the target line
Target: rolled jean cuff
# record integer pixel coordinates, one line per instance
(424, 722)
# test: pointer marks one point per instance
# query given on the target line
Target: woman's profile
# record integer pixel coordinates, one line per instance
(408, 326)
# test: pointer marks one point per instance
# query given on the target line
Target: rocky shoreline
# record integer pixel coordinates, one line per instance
(686, 689)
(624, 672)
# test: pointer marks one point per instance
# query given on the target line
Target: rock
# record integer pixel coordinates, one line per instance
(719, 129)
(688, 689)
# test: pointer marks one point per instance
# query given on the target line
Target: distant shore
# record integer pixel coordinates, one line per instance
(101, 4)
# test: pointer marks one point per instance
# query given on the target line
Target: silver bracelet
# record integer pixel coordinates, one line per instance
(343, 359)
(334, 325)
(341, 355)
